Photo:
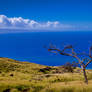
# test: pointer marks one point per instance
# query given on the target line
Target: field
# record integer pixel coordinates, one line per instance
(16, 76)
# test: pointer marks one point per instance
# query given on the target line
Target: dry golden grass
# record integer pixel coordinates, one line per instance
(18, 76)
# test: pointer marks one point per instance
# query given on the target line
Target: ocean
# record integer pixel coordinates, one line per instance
(32, 46)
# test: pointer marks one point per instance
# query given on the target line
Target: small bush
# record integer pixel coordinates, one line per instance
(45, 70)
(69, 67)
(7, 90)
(21, 87)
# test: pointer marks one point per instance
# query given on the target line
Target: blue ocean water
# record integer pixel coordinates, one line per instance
(30, 46)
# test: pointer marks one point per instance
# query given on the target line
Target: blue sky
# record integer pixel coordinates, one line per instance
(70, 12)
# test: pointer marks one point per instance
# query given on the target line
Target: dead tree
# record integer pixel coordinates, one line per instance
(72, 53)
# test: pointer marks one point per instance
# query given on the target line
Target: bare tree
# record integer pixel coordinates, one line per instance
(72, 53)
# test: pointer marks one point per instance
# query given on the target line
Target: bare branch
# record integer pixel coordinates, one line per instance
(73, 54)
(90, 51)
(60, 52)
(88, 63)
(67, 47)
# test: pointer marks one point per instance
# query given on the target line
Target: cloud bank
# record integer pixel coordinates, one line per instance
(21, 23)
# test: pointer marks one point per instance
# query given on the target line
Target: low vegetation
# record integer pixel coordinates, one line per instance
(18, 76)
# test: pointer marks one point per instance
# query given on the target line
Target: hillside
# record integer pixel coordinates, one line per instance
(16, 76)
(8, 65)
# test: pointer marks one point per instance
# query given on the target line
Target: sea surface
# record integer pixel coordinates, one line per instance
(33, 46)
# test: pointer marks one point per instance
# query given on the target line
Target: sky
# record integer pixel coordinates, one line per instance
(46, 14)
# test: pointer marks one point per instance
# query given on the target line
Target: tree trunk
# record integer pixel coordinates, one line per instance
(85, 76)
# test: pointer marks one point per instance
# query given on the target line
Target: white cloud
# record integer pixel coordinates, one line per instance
(20, 23)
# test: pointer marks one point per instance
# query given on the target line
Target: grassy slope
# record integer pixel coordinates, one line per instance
(18, 76)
